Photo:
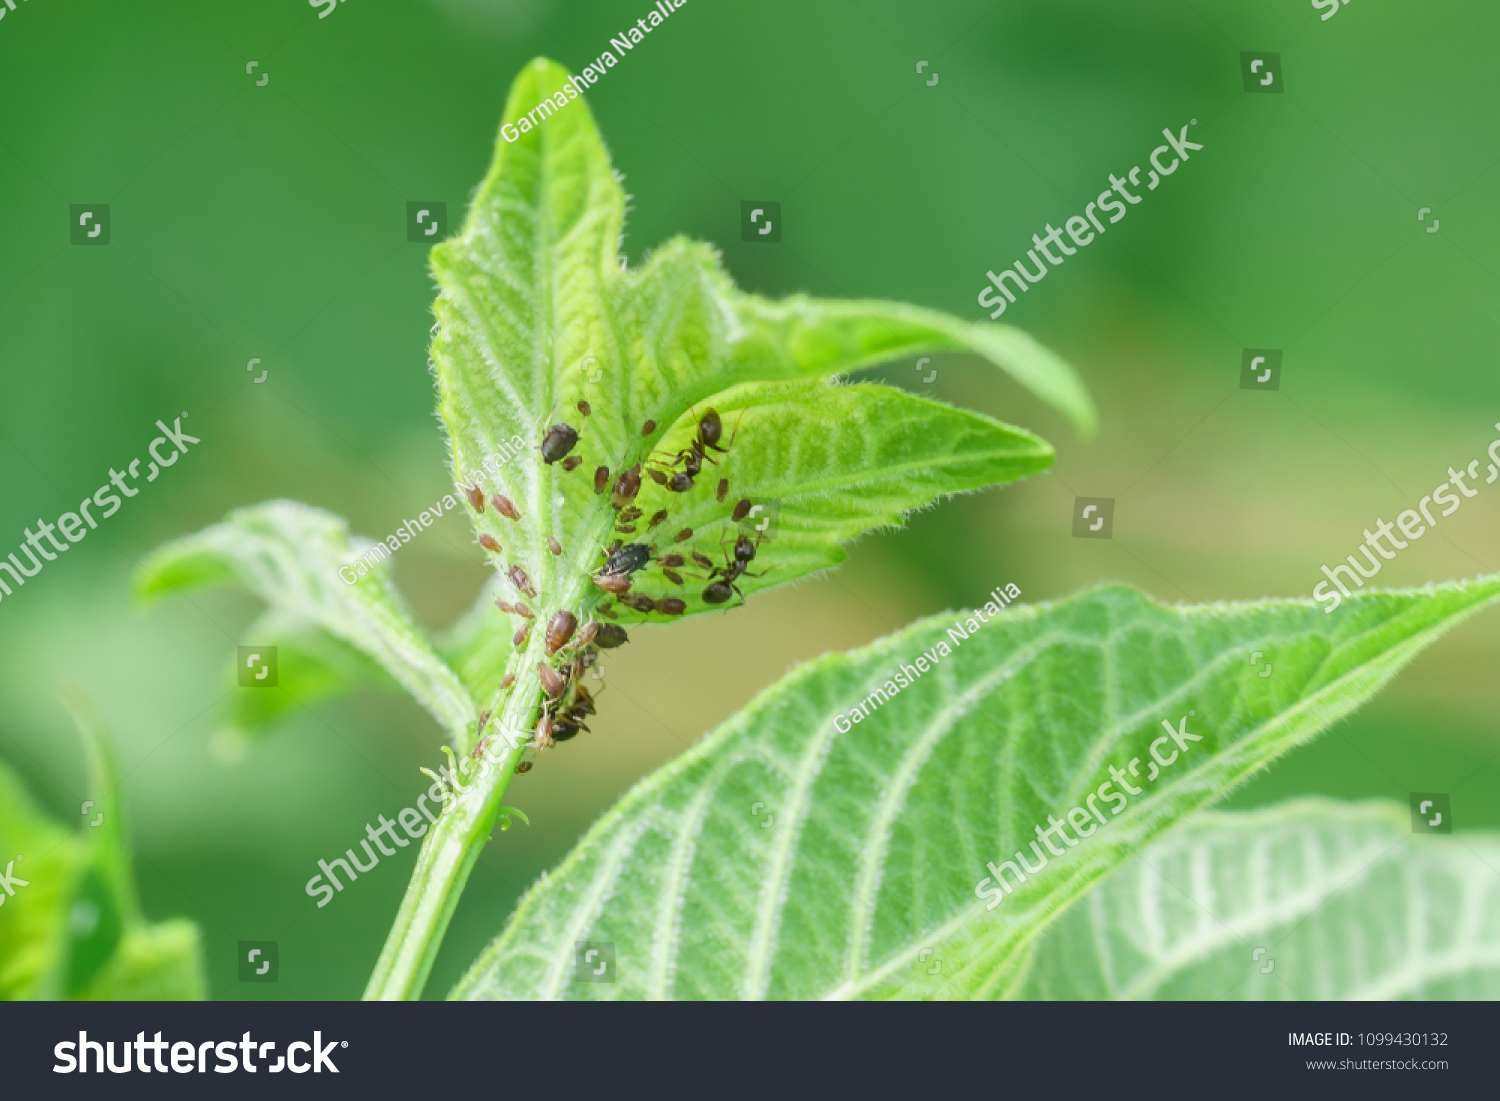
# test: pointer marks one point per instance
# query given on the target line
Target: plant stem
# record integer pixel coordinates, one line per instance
(452, 844)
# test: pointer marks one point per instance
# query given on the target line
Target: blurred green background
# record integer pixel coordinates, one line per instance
(269, 221)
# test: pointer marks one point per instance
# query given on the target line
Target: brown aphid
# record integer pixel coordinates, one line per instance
(559, 630)
(627, 485)
(723, 488)
(553, 683)
(741, 510)
(553, 545)
(510, 679)
(683, 536)
(657, 518)
(608, 613)
(672, 562)
(670, 605)
(519, 579)
(523, 766)
(559, 440)
(657, 476)
(564, 729)
(703, 560)
(611, 635)
(673, 576)
(586, 636)
(523, 611)
(505, 507)
(601, 479)
(479, 749)
(543, 732)
(584, 408)
(639, 601)
(571, 463)
(612, 583)
(648, 428)
(521, 637)
(484, 718)
(630, 515)
(491, 544)
(475, 496)
(626, 529)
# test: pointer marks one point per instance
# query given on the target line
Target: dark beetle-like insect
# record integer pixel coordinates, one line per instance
(559, 629)
(558, 441)
(601, 479)
(505, 507)
(628, 559)
(610, 635)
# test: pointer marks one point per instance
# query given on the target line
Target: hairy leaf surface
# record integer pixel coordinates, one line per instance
(1313, 900)
(783, 858)
(538, 312)
(290, 555)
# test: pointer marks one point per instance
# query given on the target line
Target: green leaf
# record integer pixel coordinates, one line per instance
(879, 837)
(538, 312)
(1313, 900)
(291, 555)
(34, 920)
(73, 927)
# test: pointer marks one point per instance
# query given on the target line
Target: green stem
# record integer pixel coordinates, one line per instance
(452, 844)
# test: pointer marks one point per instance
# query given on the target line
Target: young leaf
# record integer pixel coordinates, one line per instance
(1313, 900)
(537, 314)
(797, 854)
(290, 556)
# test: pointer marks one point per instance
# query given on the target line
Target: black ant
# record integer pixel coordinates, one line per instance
(735, 567)
(710, 431)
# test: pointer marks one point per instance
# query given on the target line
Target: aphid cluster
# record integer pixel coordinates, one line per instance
(567, 702)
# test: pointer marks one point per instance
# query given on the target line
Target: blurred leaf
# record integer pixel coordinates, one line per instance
(290, 555)
(154, 963)
(879, 837)
(73, 926)
(1345, 901)
(312, 665)
(34, 919)
(537, 313)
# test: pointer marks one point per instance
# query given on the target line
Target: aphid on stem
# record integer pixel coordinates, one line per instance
(553, 545)
(491, 544)
(559, 630)
(505, 507)
(476, 497)
(521, 581)
(601, 479)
